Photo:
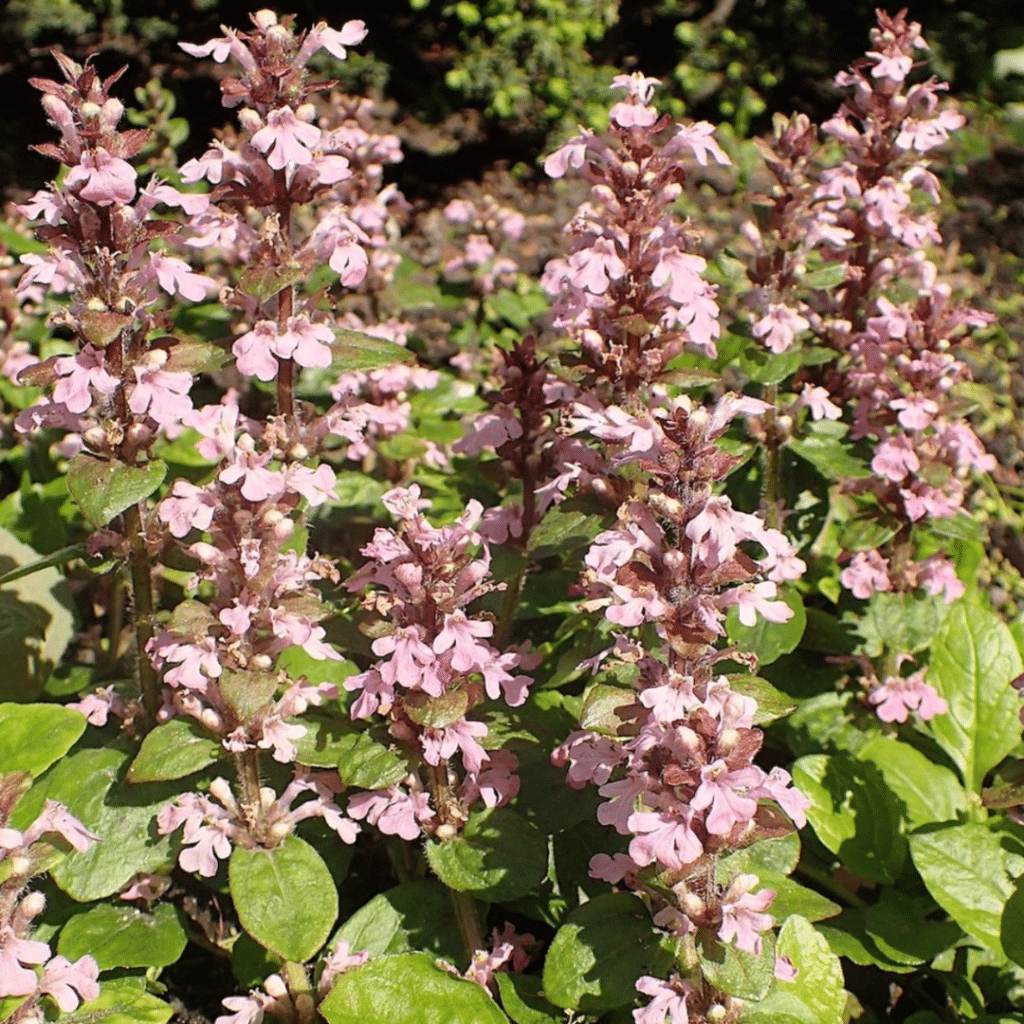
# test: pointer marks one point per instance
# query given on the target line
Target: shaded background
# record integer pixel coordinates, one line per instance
(474, 83)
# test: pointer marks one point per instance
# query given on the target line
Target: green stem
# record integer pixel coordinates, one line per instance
(820, 878)
(398, 854)
(141, 577)
(503, 630)
(469, 924)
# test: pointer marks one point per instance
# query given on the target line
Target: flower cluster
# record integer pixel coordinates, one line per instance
(123, 384)
(22, 855)
(212, 825)
(895, 367)
(435, 665)
(488, 224)
(630, 291)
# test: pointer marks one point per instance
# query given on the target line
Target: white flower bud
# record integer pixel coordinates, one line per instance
(279, 831)
(307, 112)
(250, 120)
(261, 662)
(671, 192)
(444, 832)
(265, 19)
(90, 111)
(32, 905)
(275, 986)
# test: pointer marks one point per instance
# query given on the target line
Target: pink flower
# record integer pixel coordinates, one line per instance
(332, 40)
(104, 179)
(392, 810)
(161, 393)
(17, 979)
(726, 793)
(177, 278)
(572, 154)
(817, 399)
(698, 139)
(254, 352)
(742, 914)
(70, 983)
(664, 837)
(80, 375)
(460, 635)
(867, 573)
(668, 1005)
(898, 696)
(338, 961)
(779, 327)
(753, 599)
(784, 969)
(287, 139)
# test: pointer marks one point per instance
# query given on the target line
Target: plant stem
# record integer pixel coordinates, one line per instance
(141, 576)
(469, 924)
(247, 768)
(772, 461)
(398, 855)
(286, 367)
(819, 877)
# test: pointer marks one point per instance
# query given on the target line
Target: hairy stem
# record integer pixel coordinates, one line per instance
(286, 367)
(247, 769)
(772, 461)
(833, 888)
(469, 924)
(141, 578)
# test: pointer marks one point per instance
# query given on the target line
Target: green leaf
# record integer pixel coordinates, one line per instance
(564, 529)
(407, 989)
(734, 971)
(285, 897)
(853, 813)
(825, 278)
(60, 557)
(124, 936)
(91, 784)
(964, 868)
(1011, 925)
(264, 281)
(498, 856)
(973, 660)
(793, 898)
(771, 703)
(353, 350)
(815, 996)
(602, 706)
(904, 623)
(898, 927)
(103, 490)
(23, 726)
(599, 953)
(769, 640)
(830, 457)
(173, 750)
(522, 1001)
(929, 791)
(121, 1001)
(36, 621)
(868, 530)
(365, 762)
(414, 916)
(779, 856)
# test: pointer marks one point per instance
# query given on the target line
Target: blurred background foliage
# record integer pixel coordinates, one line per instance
(478, 81)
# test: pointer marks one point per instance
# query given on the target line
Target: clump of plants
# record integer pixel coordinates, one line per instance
(616, 655)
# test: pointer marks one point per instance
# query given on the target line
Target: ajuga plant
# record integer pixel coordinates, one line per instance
(413, 676)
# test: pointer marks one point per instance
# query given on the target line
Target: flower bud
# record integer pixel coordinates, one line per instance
(298, 451)
(727, 741)
(32, 905)
(279, 831)
(716, 1013)
(265, 19)
(444, 832)
(90, 111)
(671, 192)
(95, 438)
(275, 986)
(21, 866)
(209, 718)
(267, 797)
(261, 662)
(307, 112)
(692, 905)
(250, 120)
(220, 790)
(630, 169)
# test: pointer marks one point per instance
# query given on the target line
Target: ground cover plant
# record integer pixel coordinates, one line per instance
(401, 624)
